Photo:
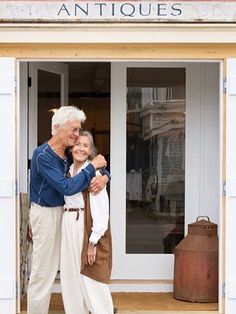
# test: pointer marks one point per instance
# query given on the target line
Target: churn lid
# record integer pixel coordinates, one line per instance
(202, 226)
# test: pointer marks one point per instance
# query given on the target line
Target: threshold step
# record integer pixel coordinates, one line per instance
(146, 312)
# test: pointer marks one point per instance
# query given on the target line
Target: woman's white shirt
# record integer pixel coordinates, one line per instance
(99, 205)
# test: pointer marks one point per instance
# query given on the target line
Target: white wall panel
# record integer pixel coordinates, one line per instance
(230, 238)
(202, 188)
(7, 182)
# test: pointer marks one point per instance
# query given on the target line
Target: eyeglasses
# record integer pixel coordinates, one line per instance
(76, 130)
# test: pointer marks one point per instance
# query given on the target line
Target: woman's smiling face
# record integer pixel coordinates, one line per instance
(82, 149)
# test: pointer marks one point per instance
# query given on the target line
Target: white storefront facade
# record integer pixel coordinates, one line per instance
(157, 82)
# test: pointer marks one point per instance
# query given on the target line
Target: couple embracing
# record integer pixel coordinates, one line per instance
(69, 217)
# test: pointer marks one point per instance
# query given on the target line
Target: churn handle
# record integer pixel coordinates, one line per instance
(203, 217)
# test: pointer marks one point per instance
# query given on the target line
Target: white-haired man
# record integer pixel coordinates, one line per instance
(48, 185)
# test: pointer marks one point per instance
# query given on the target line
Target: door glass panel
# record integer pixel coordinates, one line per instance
(49, 99)
(155, 166)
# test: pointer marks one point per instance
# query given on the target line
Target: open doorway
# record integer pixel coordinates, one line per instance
(107, 92)
(45, 86)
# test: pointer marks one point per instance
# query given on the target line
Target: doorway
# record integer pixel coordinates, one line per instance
(45, 86)
(157, 123)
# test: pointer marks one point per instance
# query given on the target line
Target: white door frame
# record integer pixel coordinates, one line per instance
(23, 125)
(195, 184)
(118, 99)
(230, 198)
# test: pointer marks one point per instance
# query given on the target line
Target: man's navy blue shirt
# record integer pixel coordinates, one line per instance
(48, 180)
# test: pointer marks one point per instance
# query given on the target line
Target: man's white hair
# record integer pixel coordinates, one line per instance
(65, 114)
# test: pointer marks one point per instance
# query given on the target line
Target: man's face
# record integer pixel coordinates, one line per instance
(69, 132)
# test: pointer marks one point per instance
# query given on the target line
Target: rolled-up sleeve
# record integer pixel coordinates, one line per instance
(99, 205)
(105, 172)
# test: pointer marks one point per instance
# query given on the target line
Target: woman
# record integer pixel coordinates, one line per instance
(86, 243)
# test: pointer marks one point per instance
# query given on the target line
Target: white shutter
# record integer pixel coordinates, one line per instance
(230, 237)
(7, 187)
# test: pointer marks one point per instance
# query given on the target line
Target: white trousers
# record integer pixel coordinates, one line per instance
(80, 293)
(46, 230)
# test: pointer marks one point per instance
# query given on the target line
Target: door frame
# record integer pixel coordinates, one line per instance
(222, 127)
(229, 216)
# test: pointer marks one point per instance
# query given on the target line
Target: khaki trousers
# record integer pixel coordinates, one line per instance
(80, 293)
(46, 230)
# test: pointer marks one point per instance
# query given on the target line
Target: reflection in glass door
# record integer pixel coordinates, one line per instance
(155, 164)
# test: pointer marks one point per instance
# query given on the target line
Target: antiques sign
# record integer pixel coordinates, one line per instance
(117, 11)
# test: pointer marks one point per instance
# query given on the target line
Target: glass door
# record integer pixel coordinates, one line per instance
(48, 90)
(148, 109)
(164, 130)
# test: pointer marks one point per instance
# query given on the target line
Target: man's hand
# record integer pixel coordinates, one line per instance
(29, 232)
(99, 162)
(98, 183)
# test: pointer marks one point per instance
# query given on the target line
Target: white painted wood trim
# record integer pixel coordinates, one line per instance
(230, 213)
(22, 92)
(118, 33)
(118, 154)
(221, 229)
(129, 287)
(7, 183)
(192, 159)
(33, 111)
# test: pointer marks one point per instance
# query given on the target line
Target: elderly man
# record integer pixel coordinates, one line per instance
(48, 185)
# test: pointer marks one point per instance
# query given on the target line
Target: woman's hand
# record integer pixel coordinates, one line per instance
(98, 183)
(92, 251)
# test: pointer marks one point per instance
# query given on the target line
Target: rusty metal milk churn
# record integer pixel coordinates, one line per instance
(196, 263)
